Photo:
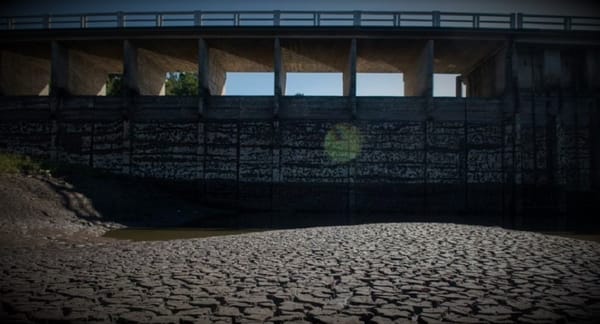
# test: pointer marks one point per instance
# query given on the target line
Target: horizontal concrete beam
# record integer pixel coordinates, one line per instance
(255, 108)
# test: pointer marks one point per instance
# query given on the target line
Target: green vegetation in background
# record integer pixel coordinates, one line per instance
(15, 163)
(181, 84)
(177, 84)
(11, 163)
(114, 85)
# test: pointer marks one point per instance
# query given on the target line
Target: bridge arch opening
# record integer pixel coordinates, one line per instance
(314, 84)
(448, 85)
(380, 84)
(249, 84)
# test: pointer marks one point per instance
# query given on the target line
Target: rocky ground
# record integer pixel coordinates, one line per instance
(54, 267)
(378, 273)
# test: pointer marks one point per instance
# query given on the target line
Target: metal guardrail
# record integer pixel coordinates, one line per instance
(429, 19)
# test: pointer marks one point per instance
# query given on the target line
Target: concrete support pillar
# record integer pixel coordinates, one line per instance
(500, 71)
(525, 65)
(458, 87)
(130, 70)
(217, 74)
(211, 74)
(418, 79)
(203, 69)
(59, 78)
(592, 69)
(592, 76)
(349, 74)
(24, 74)
(595, 145)
(552, 69)
(144, 70)
(279, 71)
(488, 79)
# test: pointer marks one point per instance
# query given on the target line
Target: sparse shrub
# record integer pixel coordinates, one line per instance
(11, 163)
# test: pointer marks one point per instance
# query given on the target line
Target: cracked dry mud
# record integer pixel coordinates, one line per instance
(378, 273)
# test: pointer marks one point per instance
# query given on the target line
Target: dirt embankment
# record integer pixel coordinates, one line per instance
(42, 209)
(38, 208)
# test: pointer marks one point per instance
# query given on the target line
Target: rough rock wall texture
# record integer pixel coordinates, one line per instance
(446, 155)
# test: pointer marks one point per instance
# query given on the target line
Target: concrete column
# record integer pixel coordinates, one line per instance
(217, 74)
(24, 74)
(500, 71)
(279, 71)
(595, 145)
(592, 69)
(203, 69)
(59, 78)
(130, 69)
(146, 70)
(211, 74)
(458, 87)
(523, 67)
(552, 69)
(350, 72)
(418, 79)
(488, 79)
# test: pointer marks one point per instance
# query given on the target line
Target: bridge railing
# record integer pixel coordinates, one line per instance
(429, 19)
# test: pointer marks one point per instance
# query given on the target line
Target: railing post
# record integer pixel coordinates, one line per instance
(11, 23)
(357, 18)
(317, 19)
(476, 21)
(435, 17)
(46, 21)
(519, 21)
(197, 18)
(513, 21)
(83, 21)
(159, 20)
(236, 19)
(397, 18)
(120, 19)
(276, 18)
(567, 23)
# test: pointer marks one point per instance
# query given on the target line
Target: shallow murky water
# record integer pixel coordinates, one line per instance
(165, 234)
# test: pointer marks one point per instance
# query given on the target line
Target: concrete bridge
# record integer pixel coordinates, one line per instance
(520, 150)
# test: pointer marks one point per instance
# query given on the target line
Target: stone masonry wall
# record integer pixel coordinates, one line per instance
(447, 155)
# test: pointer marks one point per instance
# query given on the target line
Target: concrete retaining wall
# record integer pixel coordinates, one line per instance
(416, 156)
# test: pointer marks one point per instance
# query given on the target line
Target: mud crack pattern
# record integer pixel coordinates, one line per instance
(378, 273)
